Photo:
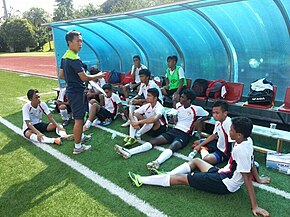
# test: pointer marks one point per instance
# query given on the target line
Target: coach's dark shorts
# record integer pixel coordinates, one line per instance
(176, 135)
(79, 104)
(210, 181)
(41, 127)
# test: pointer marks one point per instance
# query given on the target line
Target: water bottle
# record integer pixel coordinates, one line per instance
(192, 154)
(113, 135)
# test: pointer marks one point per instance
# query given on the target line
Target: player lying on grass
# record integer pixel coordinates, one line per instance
(33, 127)
(178, 137)
(211, 179)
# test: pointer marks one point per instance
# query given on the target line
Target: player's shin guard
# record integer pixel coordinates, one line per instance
(181, 169)
(165, 155)
(160, 180)
(141, 148)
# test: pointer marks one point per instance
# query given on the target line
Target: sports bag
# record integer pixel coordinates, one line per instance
(214, 89)
(200, 86)
(114, 77)
(261, 92)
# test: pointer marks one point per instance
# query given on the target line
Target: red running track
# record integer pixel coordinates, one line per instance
(37, 65)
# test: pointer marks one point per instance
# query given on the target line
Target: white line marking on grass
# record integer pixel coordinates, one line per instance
(261, 186)
(114, 189)
(273, 190)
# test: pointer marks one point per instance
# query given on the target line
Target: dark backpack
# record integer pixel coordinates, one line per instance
(214, 89)
(199, 87)
(114, 77)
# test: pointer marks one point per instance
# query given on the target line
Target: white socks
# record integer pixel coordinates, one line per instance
(132, 108)
(181, 169)
(45, 139)
(165, 155)
(64, 114)
(203, 152)
(141, 148)
(88, 124)
(160, 180)
(132, 130)
(145, 128)
(78, 146)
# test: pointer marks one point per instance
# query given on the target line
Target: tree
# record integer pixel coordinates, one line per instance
(18, 33)
(37, 16)
(87, 11)
(116, 6)
(64, 10)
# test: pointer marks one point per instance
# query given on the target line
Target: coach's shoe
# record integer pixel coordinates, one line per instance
(131, 141)
(134, 177)
(154, 171)
(122, 151)
(153, 164)
(57, 141)
(126, 124)
(82, 149)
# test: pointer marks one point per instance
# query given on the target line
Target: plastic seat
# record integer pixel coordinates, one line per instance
(234, 92)
(286, 105)
(264, 106)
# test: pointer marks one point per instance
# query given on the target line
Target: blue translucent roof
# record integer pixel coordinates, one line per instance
(235, 40)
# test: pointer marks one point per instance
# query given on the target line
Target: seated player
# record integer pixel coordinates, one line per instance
(174, 78)
(33, 127)
(211, 179)
(93, 92)
(178, 137)
(106, 110)
(148, 118)
(140, 98)
(133, 86)
(220, 142)
(63, 107)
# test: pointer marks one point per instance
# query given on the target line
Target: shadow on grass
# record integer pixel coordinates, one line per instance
(19, 198)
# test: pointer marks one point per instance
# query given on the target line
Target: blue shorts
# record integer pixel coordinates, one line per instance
(220, 156)
(79, 104)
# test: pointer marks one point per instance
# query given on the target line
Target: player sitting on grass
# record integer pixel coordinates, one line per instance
(211, 179)
(33, 127)
(105, 110)
(178, 137)
(220, 142)
(149, 118)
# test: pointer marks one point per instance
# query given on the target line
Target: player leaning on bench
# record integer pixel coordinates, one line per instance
(71, 69)
(211, 179)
